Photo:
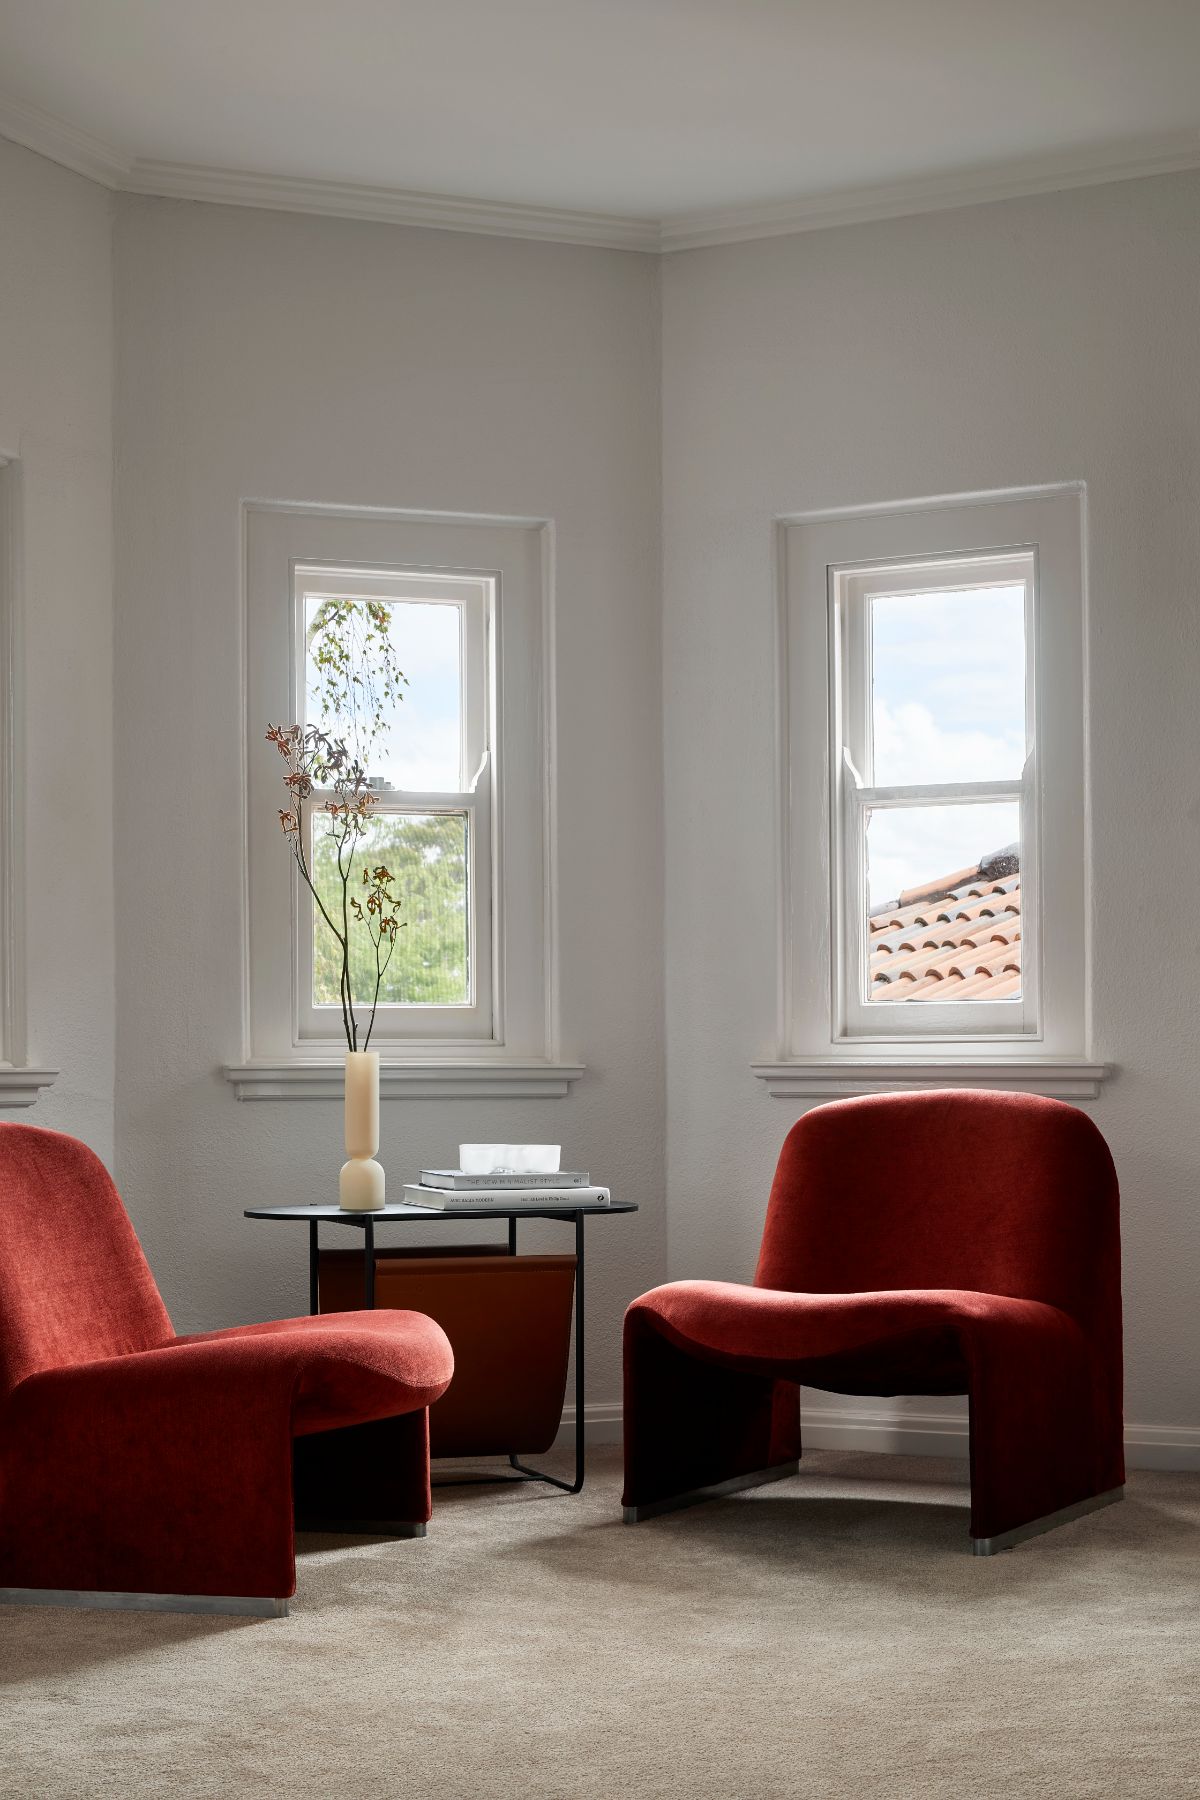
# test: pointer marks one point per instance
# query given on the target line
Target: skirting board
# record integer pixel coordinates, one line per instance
(945, 1434)
(601, 1422)
(910, 1434)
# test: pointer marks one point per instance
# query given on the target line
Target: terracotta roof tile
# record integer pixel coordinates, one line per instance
(933, 890)
(958, 937)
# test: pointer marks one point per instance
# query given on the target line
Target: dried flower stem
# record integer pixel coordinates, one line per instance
(316, 761)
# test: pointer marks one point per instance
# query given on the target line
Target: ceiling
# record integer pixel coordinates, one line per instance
(717, 117)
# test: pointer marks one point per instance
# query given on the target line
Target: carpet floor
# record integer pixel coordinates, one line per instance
(829, 1637)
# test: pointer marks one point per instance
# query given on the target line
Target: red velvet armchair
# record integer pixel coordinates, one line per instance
(142, 1468)
(941, 1243)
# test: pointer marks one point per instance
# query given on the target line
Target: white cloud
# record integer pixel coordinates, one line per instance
(960, 656)
(911, 746)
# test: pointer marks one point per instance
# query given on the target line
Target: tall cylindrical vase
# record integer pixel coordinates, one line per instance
(362, 1179)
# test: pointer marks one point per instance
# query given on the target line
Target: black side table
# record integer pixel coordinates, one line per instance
(316, 1216)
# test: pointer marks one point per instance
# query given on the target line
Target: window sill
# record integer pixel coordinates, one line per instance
(21, 1087)
(835, 1077)
(323, 1079)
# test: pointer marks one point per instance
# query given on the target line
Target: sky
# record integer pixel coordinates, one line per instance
(420, 746)
(948, 704)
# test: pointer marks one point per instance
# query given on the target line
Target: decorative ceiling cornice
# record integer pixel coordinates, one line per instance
(62, 143)
(898, 199)
(390, 206)
(88, 155)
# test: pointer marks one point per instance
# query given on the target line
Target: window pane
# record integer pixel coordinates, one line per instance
(944, 902)
(407, 731)
(427, 853)
(948, 685)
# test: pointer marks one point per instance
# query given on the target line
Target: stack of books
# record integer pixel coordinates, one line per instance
(443, 1190)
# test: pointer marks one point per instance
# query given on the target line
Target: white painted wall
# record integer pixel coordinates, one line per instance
(1032, 341)
(277, 357)
(56, 329)
(284, 357)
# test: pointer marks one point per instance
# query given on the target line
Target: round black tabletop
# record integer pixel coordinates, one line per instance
(398, 1212)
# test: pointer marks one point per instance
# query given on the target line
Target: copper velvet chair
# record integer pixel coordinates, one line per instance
(944, 1243)
(142, 1468)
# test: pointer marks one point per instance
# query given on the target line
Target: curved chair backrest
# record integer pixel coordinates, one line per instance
(74, 1285)
(1001, 1193)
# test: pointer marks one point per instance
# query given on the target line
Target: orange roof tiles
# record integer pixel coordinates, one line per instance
(957, 938)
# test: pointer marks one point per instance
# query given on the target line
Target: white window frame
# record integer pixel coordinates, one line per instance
(824, 1045)
(475, 598)
(508, 1045)
(20, 1082)
(854, 794)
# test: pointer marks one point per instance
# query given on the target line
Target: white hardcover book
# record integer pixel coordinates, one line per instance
(457, 1182)
(561, 1199)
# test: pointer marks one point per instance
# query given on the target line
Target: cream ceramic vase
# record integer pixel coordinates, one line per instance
(362, 1180)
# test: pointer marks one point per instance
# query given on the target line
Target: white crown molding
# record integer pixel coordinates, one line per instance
(62, 143)
(390, 206)
(99, 161)
(898, 199)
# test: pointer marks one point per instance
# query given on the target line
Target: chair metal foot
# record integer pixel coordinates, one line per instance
(633, 1515)
(250, 1606)
(501, 1477)
(1004, 1540)
(394, 1528)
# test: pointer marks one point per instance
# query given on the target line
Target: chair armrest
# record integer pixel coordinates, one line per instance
(169, 1396)
(168, 1470)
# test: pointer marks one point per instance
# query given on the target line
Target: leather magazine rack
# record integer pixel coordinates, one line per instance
(508, 1319)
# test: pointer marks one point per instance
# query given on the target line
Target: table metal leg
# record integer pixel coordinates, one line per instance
(369, 1264)
(580, 1404)
(570, 1487)
(314, 1291)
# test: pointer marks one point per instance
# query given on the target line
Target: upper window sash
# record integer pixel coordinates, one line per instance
(853, 588)
(474, 596)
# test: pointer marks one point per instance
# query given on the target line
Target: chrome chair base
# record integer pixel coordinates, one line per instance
(633, 1515)
(1004, 1540)
(248, 1606)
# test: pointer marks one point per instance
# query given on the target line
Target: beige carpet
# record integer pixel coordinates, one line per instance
(827, 1637)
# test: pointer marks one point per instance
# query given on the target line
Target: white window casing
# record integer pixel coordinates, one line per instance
(20, 1082)
(829, 1038)
(504, 1040)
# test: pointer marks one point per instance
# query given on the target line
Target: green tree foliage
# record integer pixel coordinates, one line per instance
(427, 855)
